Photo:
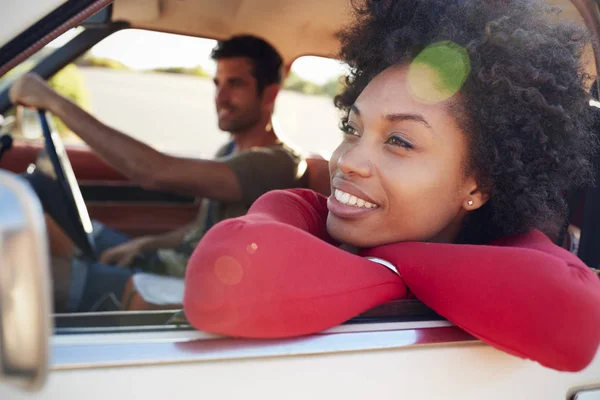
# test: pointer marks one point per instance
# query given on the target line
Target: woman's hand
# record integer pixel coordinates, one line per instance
(122, 255)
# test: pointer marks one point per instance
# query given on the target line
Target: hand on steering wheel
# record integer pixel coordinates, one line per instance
(32, 91)
(69, 188)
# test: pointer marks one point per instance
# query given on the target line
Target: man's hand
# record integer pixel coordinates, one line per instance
(32, 91)
(122, 255)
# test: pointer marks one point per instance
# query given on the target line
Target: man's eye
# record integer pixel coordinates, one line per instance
(400, 142)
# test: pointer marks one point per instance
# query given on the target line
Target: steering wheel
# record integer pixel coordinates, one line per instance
(82, 230)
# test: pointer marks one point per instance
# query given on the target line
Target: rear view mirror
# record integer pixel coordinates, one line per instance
(25, 299)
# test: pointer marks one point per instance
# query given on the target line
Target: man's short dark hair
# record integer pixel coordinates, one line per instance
(267, 63)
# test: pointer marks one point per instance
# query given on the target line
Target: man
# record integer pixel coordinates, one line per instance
(247, 81)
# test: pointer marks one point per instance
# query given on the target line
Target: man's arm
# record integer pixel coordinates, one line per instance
(137, 161)
(167, 240)
(123, 254)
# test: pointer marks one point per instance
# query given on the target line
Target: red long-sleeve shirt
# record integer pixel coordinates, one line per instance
(276, 273)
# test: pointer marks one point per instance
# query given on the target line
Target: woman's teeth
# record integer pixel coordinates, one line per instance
(351, 200)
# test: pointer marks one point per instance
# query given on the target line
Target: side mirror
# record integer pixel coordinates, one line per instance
(25, 292)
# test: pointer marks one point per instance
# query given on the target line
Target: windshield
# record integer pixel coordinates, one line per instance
(31, 62)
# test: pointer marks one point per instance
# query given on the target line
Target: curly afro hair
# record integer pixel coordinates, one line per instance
(523, 106)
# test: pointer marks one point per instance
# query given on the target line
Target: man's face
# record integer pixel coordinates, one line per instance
(239, 106)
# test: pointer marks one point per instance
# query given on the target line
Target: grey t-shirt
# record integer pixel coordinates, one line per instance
(259, 170)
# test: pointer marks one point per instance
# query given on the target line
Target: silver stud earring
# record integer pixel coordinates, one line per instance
(470, 203)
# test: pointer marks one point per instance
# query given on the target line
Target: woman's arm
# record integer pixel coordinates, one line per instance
(272, 273)
(523, 295)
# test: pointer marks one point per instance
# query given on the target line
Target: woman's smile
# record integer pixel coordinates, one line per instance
(348, 201)
(352, 200)
(347, 206)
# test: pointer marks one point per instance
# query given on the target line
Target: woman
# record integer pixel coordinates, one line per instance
(465, 123)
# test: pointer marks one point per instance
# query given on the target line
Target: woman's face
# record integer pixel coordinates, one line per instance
(399, 174)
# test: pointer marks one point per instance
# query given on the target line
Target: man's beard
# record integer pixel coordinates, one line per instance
(239, 123)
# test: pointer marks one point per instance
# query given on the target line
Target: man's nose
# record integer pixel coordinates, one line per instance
(221, 95)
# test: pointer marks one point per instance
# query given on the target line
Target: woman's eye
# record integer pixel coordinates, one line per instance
(398, 141)
(349, 130)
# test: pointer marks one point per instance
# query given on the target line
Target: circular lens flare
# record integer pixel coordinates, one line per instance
(228, 270)
(438, 72)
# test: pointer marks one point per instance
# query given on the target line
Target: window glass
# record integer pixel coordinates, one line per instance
(155, 87)
(158, 88)
(305, 111)
(68, 82)
(28, 64)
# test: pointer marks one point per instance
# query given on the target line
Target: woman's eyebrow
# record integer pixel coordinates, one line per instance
(406, 117)
(397, 117)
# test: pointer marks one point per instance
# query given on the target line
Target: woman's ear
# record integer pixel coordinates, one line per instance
(475, 198)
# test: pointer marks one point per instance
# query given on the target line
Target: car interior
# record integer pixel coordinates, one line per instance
(91, 190)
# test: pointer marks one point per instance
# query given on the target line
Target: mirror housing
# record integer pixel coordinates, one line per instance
(25, 289)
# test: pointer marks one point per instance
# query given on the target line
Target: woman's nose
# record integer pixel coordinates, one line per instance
(355, 160)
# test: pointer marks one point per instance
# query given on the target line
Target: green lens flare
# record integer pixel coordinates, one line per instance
(438, 72)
